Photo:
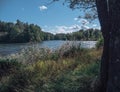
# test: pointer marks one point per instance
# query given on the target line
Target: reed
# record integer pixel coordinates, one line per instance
(68, 69)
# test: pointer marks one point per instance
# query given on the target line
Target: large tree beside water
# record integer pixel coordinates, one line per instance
(108, 12)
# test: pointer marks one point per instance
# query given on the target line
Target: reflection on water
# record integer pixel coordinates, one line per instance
(7, 49)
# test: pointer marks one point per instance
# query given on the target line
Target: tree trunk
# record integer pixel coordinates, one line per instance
(114, 58)
(109, 16)
(103, 15)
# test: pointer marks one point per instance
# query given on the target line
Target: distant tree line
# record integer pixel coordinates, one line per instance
(89, 34)
(20, 32)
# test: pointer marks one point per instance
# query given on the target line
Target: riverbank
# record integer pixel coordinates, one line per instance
(8, 49)
(69, 69)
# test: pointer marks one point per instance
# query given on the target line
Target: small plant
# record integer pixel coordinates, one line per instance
(100, 43)
(8, 66)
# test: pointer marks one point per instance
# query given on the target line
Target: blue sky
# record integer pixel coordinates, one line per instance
(54, 18)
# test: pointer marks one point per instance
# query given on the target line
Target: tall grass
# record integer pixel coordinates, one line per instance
(68, 69)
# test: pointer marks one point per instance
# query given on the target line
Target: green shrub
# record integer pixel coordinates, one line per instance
(19, 82)
(100, 43)
(8, 66)
(65, 70)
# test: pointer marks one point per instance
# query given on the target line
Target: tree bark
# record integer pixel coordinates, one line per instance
(103, 15)
(109, 16)
(113, 84)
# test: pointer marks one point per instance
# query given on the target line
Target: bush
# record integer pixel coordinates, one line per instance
(100, 43)
(65, 70)
(8, 66)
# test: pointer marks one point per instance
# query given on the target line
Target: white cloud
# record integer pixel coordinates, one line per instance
(85, 24)
(85, 27)
(63, 29)
(68, 29)
(75, 19)
(43, 29)
(42, 8)
(83, 21)
(94, 25)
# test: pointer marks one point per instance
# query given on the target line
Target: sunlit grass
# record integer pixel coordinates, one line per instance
(68, 69)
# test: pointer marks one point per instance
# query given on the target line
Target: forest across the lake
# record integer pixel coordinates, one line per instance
(20, 32)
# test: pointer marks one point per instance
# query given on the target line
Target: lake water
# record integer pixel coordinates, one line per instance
(7, 49)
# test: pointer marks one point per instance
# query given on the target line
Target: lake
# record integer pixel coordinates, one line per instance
(7, 49)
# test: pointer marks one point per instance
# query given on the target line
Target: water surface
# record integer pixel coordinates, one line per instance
(7, 49)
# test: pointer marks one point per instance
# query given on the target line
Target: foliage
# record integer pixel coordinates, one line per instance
(71, 73)
(8, 66)
(23, 32)
(100, 43)
(89, 34)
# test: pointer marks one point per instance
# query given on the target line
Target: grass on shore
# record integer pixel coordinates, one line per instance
(69, 69)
